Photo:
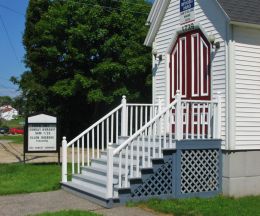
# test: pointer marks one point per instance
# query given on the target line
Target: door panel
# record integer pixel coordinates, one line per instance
(190, 67)
(190, 74)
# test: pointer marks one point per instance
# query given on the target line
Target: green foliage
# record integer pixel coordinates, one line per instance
(15, 123)
(83, 55)
(221, 206)
(5, 100)
(28, 178)
(69, 213)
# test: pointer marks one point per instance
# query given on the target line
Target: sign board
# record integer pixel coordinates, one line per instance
(187, 13)
(41, 134)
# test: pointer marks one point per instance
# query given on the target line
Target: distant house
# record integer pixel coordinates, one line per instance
(7, 112)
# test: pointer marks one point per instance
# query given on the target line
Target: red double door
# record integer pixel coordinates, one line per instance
(190, 74)
(190, 67)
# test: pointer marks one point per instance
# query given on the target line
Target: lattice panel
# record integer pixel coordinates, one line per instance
(199, 171)
(160, 183)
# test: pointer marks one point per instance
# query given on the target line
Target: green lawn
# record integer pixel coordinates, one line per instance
(69, 213)
(218, 206)
(16, 123)
(15, 139)
(27, 178)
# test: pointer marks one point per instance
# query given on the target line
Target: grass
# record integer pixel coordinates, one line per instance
(28, 178)
(221, 206)
(69, 213)
(14, 139)
(15, 123)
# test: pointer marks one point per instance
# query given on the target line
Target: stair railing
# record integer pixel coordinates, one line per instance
(124, 120)
(161, 132)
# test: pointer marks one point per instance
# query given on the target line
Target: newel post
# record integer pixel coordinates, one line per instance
(64, 160)
(178, 119)
(218, 129)
(124, 117)
(109, 171)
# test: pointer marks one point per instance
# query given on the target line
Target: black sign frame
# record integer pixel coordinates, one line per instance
(25, 141)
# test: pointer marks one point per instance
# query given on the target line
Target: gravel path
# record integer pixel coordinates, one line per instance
(25, 204)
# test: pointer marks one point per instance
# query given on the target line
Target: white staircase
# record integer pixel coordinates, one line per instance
(123, 144)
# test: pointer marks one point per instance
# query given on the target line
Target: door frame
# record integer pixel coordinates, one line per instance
(168, 57)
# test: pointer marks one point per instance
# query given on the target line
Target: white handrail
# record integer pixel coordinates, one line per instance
(94, 125)
(182, 119)
(142, 129)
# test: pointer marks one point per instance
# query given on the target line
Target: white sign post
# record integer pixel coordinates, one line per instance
(41, 134)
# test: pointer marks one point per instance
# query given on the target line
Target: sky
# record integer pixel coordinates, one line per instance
(12, 22)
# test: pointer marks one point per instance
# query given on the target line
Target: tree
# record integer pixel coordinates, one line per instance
(5, 100)
(83, 55)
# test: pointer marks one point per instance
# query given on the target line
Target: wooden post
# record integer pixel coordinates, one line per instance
(64, 160)
(124, 117)
(178, 121)
(109, 171)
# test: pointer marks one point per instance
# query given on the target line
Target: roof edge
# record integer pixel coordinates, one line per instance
(155, 18)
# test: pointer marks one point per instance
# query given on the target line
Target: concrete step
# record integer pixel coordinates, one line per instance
(90, 194)
(90, 182)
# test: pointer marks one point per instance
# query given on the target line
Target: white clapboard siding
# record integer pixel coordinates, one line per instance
(213, 22)
(247, 56)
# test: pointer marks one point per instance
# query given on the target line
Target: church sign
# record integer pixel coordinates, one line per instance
(187, 13)
(41, 134)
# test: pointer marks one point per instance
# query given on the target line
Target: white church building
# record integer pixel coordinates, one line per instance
(200, 135)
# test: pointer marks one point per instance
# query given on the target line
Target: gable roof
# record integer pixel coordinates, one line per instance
(155, 18)
(242, 11)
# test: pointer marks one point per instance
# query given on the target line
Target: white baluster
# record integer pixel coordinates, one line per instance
(83, 150)
(154, 144)
(109, 172)
(126, 166)
(178, 122)
(203, 120)
(192, 120)
(88, 159)
(98, 141)
(102, 136)
(138, 155)
(165, 130)
(72, 159)
(64, 160)
(124, 117)
(187, 119)
(218, 129)
(136, 118)
(159, 136)
(198, 119)
(117, 127)
(209, 120)
(93, 144)
(120, 170)
(112, 129)
(143, 150)
(132, 159)
(131, 120)
(78, 158)
(141, 117)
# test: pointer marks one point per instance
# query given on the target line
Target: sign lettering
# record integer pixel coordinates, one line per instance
(187, 13)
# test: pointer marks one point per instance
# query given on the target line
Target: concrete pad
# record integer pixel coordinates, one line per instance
(25, 204)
